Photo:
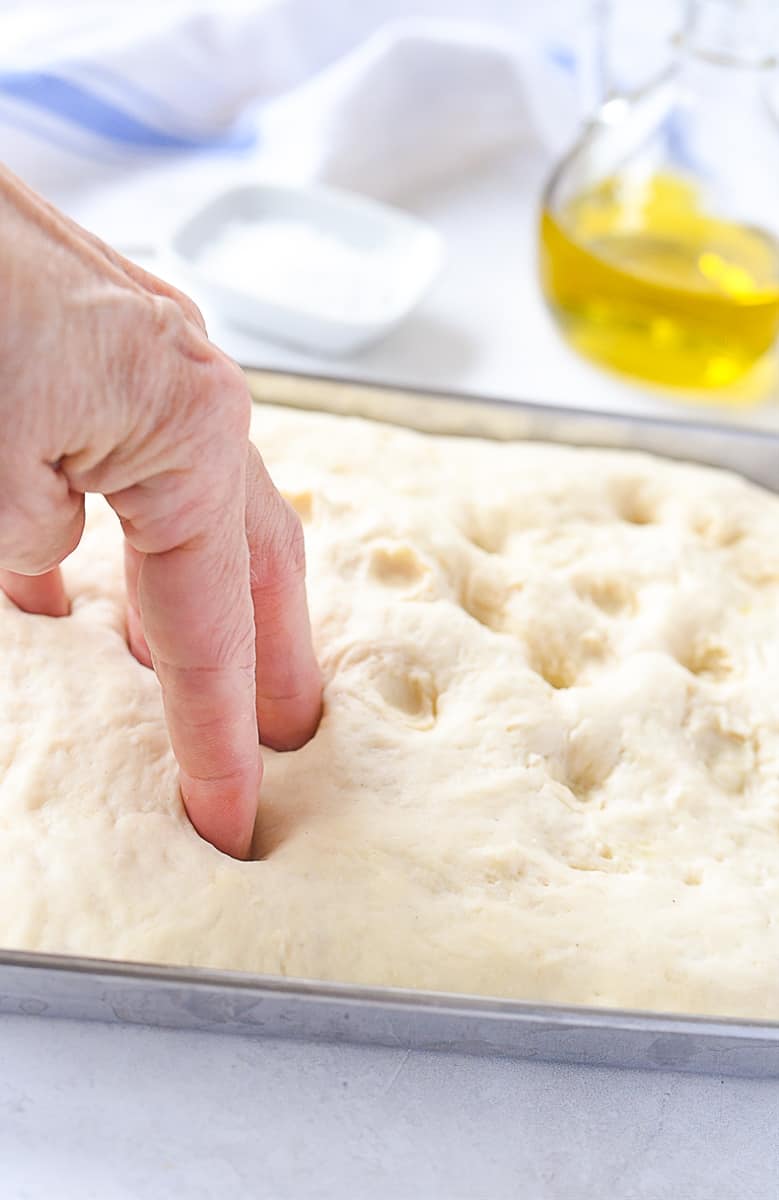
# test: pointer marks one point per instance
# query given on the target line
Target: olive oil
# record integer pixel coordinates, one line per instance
(641, 278)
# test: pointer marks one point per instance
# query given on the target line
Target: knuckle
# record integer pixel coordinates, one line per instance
(223, 396)
(192, 311)
(180, 300)
(233, 390)
(165, 315)
(216, 385)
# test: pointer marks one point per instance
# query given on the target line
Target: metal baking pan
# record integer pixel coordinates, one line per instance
(265, 1006)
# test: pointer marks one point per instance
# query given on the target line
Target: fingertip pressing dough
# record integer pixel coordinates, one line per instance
(548, 766)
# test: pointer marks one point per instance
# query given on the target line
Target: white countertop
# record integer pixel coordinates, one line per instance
(97, 1112)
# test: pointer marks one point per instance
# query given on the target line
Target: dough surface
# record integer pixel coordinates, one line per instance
(549, 761)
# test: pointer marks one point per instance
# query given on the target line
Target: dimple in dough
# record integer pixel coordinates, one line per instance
(548, 766)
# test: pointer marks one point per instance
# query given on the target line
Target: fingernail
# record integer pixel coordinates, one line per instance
(222, 815)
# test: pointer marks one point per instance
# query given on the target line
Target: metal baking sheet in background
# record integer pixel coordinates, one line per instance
(230, 1002)
(752, 453)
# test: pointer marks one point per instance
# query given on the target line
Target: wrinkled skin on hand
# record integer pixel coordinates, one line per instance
(108, 383)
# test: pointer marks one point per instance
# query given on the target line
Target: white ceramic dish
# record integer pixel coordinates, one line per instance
(315, 267)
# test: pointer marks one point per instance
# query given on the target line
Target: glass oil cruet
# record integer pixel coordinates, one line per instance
(659, 231)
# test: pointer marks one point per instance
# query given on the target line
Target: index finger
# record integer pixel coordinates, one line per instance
(196, 611)
(195, 603)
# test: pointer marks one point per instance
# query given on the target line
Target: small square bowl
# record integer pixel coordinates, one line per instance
(374, 265)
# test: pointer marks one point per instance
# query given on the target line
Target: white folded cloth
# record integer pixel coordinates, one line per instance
(368, 96)
(416, 103)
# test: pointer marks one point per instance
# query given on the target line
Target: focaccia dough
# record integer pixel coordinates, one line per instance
(548, 766)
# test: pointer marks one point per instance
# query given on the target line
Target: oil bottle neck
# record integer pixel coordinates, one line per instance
(727, 55)
(732, 33)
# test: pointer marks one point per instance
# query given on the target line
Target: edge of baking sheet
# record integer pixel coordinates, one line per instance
(218, 1001)
(224, 1001)
(751, 452)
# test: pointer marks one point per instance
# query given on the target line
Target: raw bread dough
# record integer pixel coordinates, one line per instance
(548, 766)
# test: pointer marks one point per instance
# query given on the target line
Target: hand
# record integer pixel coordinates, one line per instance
(109, 384)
